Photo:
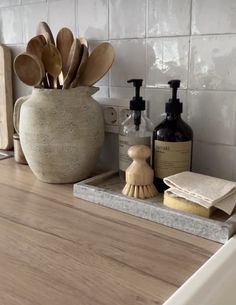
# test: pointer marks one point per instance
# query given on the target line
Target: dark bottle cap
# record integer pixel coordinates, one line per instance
(137, 102)
(174, 105)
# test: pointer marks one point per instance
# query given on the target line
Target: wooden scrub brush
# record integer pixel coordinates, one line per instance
(139, 175)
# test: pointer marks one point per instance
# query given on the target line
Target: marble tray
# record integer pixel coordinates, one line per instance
(105, 189)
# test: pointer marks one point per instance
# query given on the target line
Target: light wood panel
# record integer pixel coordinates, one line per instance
(6, 100)
(57, 249)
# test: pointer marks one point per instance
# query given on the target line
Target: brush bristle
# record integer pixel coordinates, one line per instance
(140, 191)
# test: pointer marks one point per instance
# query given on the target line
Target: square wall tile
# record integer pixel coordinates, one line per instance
(167, 58)
(11, 25)
(213, 159)
(127, 18)
(212, 115)
(129, 61)
(213, 16)
(32, 15)
(168, 18)
(5, 3)
(92, 19)
(156, 100)
(61, 14)
(213, 62)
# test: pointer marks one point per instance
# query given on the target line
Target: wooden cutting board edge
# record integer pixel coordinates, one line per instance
(6, 99)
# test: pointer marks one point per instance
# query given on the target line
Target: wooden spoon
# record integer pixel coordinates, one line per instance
(44, 29)
(29, 68)
(98, 63)
(73, 62)
(35, 45)
(52, 62)
(81, 67)
(64, 42)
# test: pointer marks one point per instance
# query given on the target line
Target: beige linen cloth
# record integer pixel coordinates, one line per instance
(204, 190)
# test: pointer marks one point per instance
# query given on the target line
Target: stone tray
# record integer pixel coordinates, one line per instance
(105, 189)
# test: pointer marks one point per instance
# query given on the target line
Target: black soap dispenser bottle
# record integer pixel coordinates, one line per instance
(134, 130)
(172, 142)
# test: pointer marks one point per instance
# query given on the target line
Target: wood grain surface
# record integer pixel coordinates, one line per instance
(57, 249)
(6, 100)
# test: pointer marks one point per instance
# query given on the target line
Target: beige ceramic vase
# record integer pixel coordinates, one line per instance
(61, 132)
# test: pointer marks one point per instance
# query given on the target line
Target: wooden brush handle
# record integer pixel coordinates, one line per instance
(139, 152)
(139, 172)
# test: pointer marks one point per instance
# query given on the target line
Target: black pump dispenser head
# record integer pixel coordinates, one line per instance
(174, 106)
(137, 103)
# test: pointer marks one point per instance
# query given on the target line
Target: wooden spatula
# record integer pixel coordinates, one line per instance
(98, 63)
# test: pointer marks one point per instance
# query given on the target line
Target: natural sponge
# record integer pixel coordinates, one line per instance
(184, 205)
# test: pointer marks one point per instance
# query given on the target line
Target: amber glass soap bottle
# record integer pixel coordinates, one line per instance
(172, 142)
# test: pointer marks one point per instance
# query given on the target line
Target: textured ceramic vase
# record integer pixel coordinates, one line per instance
(61, 132)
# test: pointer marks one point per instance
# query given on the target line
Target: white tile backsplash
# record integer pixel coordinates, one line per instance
(129, 61)
(167, 58)
(92, 19)
(157, 40)
(62, 13)
(212, 116)
(213, 62)
(31, 16)
(213, 16)
(168, 18)
(5, 3)
(11, 25)
(127, 18)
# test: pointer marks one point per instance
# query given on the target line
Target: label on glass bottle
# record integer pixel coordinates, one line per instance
(172, 158)
(124, 144)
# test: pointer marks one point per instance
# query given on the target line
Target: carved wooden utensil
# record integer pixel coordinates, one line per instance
(35, 45)
(29, 68)
(81, 67)
(51, 59)
(64, 42)
(73, 62)
(44, 29)
(98, 63)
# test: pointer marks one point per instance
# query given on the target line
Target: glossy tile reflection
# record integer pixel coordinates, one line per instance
(127, 18)
(168, 18)
(93, 19)
(129, 61)
(213, 65)
(213, 16)
(167, 58)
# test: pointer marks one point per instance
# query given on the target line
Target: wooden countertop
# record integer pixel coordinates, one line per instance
(58, 250)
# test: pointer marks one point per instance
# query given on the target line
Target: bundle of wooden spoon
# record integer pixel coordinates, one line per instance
(63, 64)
